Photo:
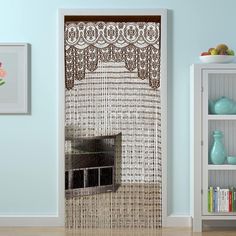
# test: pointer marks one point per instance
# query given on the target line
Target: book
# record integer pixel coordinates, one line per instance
(232, 189)
(230, 201)
(226, 200)
(211, 199)
(215, 203)
(217, 207)
(222, 200)
(234, 199)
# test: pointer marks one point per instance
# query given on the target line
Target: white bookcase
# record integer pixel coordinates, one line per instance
(210, 81)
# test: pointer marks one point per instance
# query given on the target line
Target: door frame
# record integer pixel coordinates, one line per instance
(61, 97)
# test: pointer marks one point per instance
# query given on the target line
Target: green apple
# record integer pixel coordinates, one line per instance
(209, 50)
(214, 52)
(230, 52)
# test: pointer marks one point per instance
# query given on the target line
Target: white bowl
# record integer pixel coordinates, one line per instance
(217, 59)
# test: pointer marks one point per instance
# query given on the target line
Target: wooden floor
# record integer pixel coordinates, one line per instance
(99, 232)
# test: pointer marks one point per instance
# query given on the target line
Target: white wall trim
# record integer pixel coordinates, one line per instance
(30, 221)
(178, 221)
(56, 221)
(61, 119)
(164, 115)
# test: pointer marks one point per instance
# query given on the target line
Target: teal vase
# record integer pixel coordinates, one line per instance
(221, 106)
(218, 153)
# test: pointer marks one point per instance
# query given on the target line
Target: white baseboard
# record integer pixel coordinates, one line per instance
(31, 221)
(55, 221)
(177, 221)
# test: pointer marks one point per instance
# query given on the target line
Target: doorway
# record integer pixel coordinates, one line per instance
(102, 99)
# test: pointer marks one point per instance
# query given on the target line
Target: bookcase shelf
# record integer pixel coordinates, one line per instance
(221, 117)
(209, 82)
(219, 214)
(222, 167)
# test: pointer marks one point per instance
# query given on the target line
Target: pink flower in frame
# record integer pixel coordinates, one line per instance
(2, 75)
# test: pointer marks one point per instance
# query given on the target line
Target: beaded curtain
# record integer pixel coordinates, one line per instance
(112, 86)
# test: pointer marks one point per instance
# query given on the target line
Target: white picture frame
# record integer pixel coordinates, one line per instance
(14, 84)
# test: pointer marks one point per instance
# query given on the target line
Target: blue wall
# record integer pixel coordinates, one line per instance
(28, 143)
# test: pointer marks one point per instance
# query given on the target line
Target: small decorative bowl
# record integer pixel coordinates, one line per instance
(231, 160)
(217, 59)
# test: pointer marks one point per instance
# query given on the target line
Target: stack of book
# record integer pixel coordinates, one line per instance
(221, 199)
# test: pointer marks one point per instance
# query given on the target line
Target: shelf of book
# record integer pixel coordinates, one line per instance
(222, 167)
(221, 201)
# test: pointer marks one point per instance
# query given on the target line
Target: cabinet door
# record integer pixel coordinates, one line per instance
(215, 84)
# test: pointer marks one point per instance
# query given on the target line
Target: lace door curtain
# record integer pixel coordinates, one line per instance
(112, 86)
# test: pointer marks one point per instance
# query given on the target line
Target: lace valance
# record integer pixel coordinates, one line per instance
(135, 43)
